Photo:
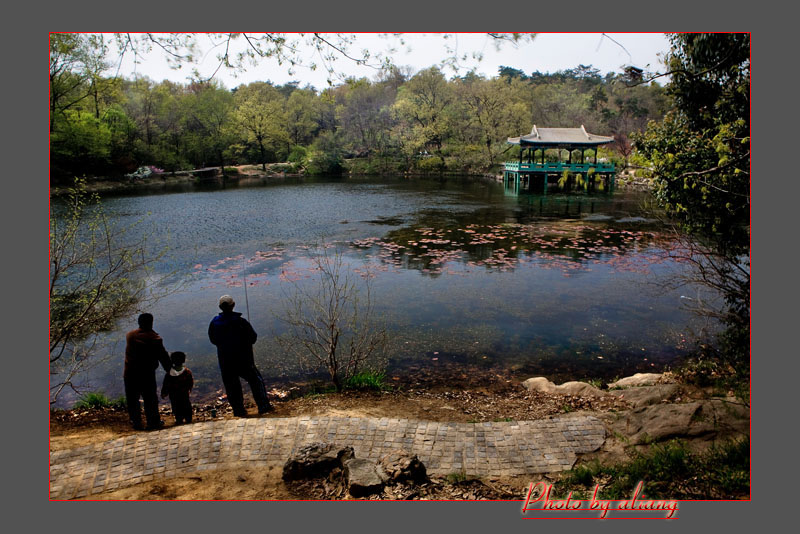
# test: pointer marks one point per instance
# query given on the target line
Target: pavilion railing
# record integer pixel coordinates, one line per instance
(559, 167)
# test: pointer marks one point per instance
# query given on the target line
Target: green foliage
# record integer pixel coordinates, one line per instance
(700, 159)
(696, 181)
(298, 154)
(371, 380)
(97, 277)
(82, 143)
(96, 400)
(669, 470)
(327, 155)
(105, 126)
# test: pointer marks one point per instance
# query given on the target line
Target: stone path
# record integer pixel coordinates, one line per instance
(500, 448)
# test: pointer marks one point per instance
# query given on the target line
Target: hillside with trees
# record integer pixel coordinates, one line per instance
(104, 126)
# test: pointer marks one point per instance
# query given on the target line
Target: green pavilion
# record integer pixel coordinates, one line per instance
(541, 160)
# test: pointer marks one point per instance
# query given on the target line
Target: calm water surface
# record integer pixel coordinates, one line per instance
(566, 285)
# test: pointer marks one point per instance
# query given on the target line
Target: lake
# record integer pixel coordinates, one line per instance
(463, 274)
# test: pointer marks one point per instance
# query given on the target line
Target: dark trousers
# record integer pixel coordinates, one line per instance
(233, 388)
(181, 407)
(144, 386)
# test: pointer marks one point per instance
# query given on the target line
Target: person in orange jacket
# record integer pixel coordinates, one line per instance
(144, 350)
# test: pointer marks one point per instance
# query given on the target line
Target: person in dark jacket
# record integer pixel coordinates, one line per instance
(234, 338)
(177, 384)
(144, 350)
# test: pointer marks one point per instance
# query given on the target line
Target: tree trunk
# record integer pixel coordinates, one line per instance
(263, 158)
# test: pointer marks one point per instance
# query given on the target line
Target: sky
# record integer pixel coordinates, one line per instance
(548, 52)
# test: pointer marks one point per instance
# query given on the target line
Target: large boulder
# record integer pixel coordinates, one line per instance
(362, 477)
(543, 385)
(705, 419)
(637, 380)
(315, 461)
(402, 467)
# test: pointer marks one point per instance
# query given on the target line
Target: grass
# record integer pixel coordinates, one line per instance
(669, 471)
(95, 400)
(367, 380)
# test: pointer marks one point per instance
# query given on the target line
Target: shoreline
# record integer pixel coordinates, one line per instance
(252, 173)
(637, 419)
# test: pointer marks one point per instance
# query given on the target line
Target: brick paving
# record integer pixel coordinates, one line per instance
(476, 449)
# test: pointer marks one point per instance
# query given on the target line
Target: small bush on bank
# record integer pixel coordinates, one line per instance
(298, 154)
(95, 400)
(374, 380)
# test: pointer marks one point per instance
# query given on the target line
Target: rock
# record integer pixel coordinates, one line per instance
(539, 383)
(315, 460)
(401, 467)
(646, 395)
(579, 388)
(713, 419)
(542, 384)
(362, 477)
(639, 379)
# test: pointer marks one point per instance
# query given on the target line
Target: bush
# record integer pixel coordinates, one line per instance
(96, 400)
(327, 155)
(375, 380)
(298, 154)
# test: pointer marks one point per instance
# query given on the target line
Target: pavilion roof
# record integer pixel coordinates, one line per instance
(559, 136)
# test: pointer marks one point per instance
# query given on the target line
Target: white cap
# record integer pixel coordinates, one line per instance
(227, 300)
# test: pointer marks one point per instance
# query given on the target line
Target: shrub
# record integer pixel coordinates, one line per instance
(95, 400)
(298, 154)
(375, 380)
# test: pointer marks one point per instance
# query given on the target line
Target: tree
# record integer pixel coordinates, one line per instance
(76, 63)
(488, 106)
(700, 157)
(259, 112)
(364, 113)
(332, 325)
(209, 118)
(97, 277)
(424, 101)
(301, 108)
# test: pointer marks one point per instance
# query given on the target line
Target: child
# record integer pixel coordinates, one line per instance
(177, 384)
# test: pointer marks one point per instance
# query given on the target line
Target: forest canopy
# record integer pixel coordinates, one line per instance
(105, 126)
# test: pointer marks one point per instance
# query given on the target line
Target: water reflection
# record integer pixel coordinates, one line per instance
(569, 285)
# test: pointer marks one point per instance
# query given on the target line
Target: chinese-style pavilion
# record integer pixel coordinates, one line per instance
(533, 163)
